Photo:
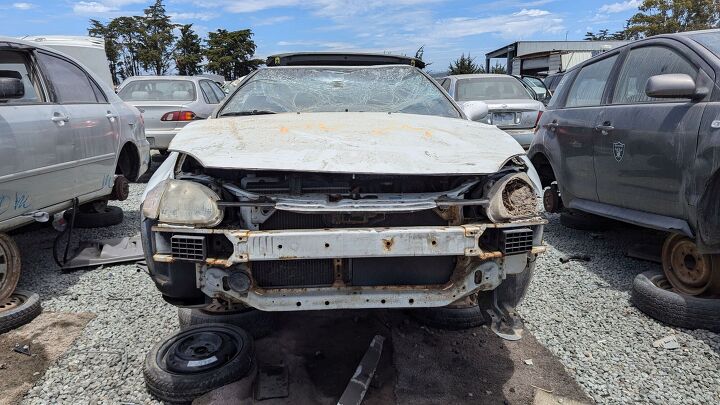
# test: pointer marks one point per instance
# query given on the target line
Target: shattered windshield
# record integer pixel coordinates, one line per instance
(400, 89)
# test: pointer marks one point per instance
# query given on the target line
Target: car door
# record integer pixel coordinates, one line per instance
(573, 126)
(91, 120)
(645, 145)
(36, 147)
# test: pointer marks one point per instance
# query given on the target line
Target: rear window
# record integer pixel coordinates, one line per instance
(158, 90)
(490, 88)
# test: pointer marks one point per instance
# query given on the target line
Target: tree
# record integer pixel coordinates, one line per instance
(464, 65)
(498, 68)
(112, 47)
(155, 51)
(229, 53)
(667, 16)
(188, 52)
(126, 30)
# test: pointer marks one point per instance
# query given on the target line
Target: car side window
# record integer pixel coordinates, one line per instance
(14, 64)
(640, 65)
(589, 85)
(207, 91)
(70, 84)
(446, 84)
(218, 90)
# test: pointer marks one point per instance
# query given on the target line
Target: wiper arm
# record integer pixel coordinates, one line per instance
(241, 113)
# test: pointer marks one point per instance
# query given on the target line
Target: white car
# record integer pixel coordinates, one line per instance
(65, 138)
(344, 186)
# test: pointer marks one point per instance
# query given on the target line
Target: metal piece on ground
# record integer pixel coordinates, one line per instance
(688, 270)
(360, 381)
(645, 251)
(575, 258)
(668, 342)
(24, 349)
(504, 322)
(9, 266)
(272, 382)
(95, 253)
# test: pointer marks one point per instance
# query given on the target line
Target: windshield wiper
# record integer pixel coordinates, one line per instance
(240, 113)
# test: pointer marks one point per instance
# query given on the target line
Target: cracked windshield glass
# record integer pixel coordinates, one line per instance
(399, 89)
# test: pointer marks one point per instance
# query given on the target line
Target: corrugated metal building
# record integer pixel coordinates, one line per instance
(542, 58)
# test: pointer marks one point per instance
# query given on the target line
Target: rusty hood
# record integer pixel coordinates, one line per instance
(348, 142)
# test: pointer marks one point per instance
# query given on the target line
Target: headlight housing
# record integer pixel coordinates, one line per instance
(183, 202)
(512, 197)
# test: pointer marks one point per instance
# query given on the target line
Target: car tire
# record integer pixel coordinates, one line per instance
(17, 310)
(198, 360)
(10, 266)
(451, 317)
(652, 295)
(108, 216)
(583, 221)
(258, 323)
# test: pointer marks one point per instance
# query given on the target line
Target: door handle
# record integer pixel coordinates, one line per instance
(60, 118)
(552, 125)
(111, 116)
(605, 128)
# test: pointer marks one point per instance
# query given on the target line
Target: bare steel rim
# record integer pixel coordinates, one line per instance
(688, 270)
(14, 301)
(9, 267)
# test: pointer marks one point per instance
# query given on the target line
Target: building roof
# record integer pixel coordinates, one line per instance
(522, 48)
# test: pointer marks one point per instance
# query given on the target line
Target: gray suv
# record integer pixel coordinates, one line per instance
(634, 135)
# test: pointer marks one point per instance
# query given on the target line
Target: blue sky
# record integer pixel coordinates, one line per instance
(446, 28)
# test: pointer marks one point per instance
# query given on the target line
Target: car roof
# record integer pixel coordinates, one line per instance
(341, 59)
(480, 76)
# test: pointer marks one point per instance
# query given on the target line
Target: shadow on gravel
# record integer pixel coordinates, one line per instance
(607, 251)
(419, 365)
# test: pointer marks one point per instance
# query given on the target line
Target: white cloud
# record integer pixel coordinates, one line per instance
(192, 16)
(92, 7)
(519, 25)
(273, 20)
(249, 6)
(620, 7)
(23, 6)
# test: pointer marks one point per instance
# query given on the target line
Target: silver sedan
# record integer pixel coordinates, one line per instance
(168, 103)
(511, 106)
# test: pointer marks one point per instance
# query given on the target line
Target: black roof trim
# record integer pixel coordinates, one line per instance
(341, 59)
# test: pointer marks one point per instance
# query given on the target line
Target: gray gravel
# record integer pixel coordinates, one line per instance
(580, 311)
(104, 365)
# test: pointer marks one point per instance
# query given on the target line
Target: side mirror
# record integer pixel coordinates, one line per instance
(475, 110)
(11, 85)
(672, 85)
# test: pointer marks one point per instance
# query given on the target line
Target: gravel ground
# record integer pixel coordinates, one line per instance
(104, 365)
(580, 311)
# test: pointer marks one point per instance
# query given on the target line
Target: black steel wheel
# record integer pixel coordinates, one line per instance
(18, 309)
(197, 360)
(9, 266)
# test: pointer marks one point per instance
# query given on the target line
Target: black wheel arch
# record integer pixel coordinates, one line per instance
(129, 159)
(708, 213)
(544, 168)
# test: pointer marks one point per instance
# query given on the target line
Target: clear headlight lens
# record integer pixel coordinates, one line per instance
(512, 197)
(184, 203)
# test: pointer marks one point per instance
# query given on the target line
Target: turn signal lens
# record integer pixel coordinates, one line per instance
(178, 116)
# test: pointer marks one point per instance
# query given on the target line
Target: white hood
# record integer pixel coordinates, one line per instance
(340, 142)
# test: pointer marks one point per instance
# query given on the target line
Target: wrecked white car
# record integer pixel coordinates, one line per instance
(326, 187)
